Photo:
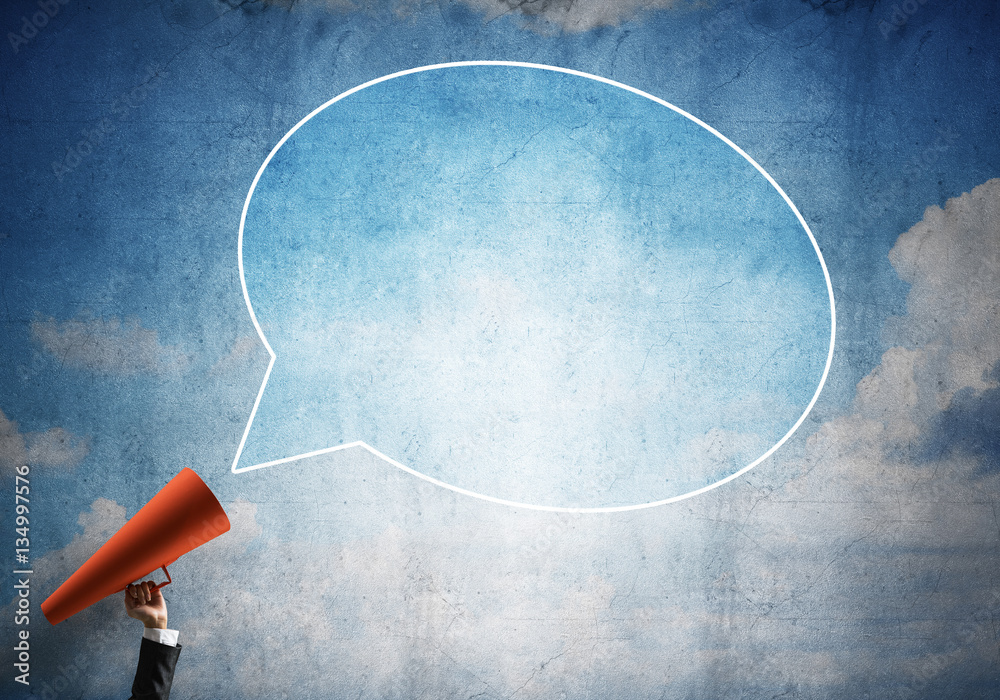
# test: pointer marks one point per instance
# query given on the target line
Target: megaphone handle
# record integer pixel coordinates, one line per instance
(158, 586)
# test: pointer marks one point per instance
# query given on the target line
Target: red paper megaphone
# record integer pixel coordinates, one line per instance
(182, 516)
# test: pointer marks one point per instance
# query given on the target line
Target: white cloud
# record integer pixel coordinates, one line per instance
(897, 518)
(335, 5)
(55, 447)
(952, 261)
(572, 16)
(107, 346)
(948, 341)
(104, 519)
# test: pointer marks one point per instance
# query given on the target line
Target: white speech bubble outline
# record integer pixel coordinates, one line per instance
(458, 489)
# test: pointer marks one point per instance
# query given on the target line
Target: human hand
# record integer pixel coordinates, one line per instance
(146, 604)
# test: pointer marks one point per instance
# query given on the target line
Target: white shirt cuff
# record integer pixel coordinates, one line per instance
(154, 634)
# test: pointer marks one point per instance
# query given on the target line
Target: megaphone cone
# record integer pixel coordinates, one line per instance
(182, 516)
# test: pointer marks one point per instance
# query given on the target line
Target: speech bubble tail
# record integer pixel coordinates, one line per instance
(243, 465)
(277, 433)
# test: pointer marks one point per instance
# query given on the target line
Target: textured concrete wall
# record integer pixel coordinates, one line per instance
(856, 561)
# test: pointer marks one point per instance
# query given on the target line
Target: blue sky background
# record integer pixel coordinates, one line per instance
(857, 562)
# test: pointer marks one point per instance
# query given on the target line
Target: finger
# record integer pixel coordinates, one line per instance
(146, 595)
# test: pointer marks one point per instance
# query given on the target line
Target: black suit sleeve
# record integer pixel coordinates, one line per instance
(155, 672)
